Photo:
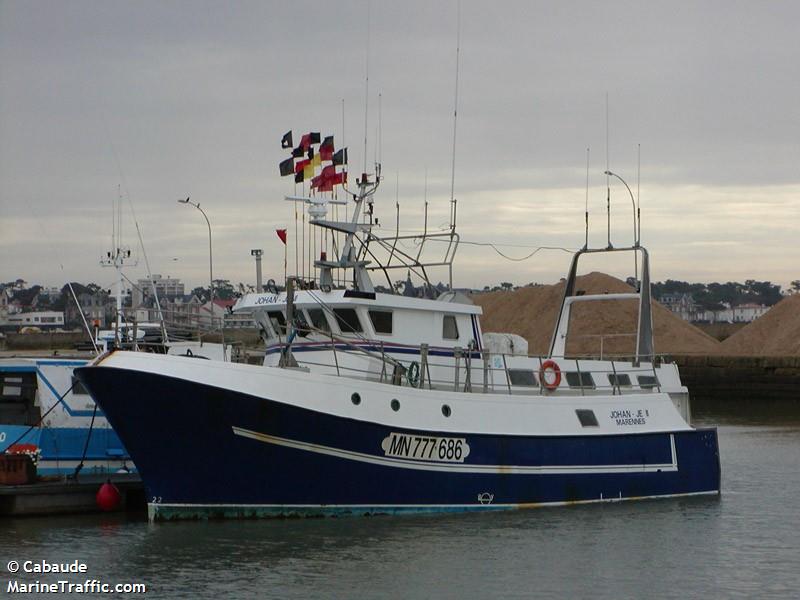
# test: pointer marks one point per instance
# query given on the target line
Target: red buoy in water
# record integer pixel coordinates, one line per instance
(108, 496)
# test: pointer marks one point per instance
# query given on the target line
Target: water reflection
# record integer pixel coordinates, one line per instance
(740, 544)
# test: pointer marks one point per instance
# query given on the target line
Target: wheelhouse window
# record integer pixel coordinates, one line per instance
(381, 320)
(522, 377)
(348, 320)
(319, 320)
(619, 380)
(449, 327)
(12, 386)
(278, 321)
(648, 382)
(580, 380)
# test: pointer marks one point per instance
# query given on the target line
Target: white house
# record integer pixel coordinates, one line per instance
(43, 319)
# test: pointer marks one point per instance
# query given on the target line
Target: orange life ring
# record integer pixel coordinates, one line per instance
(550, 366)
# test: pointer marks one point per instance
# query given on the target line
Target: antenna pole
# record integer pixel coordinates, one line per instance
(425, 216)
(586, 209)
(366, 90)
(608, 182)
(455, 123)
(638, 189)
(379, 149)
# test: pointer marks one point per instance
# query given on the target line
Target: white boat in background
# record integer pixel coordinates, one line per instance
(371, 402)
(47, 413)
(71, 432)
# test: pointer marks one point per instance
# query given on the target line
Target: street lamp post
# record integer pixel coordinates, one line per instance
(635, 236)
(210, 256)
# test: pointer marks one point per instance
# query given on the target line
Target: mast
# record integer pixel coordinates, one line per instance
(118, 257)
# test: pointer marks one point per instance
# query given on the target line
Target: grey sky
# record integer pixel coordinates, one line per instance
(169, 99)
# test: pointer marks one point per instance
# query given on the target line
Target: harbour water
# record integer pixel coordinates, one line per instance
(743, 544)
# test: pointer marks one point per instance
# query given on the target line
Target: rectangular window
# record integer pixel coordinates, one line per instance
(580, 380)
(586, 417)
(449, 328)
(522, 377)
(381, 320)
(619, 380)
(348, 320)
(319, 320)
(77, 388)
(647, 382)
(278, 321)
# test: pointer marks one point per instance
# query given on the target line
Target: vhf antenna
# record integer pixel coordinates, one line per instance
(586, 209)
(608, 181)
(455, 123)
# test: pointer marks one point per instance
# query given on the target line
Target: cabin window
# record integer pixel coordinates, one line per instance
(648, 382)
(278, 321)
(381, 320)
(449, 328)
(77, 387)
(348, 320)
(319, 320)
(587, 417)
(522, 377)
(580, 380)
(619, 380)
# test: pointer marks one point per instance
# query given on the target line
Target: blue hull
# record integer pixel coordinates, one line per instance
(204, 451)
(62, 448)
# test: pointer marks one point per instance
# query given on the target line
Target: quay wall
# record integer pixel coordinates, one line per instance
(740, 378)
(46, 340)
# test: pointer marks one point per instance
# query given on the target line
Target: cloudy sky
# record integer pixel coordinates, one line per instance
(165, 100)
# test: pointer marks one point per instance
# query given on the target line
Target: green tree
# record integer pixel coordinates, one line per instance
(224, 290)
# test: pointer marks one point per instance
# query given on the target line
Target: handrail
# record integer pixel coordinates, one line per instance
(434, 372)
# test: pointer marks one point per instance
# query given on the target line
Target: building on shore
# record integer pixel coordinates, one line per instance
(49, 319)
(684, 306)
(165, 287)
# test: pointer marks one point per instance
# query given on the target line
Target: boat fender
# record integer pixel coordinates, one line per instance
(412, 374)
(108, 497)
(550, 366)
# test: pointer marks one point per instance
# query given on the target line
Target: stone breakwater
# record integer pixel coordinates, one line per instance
(741, 378)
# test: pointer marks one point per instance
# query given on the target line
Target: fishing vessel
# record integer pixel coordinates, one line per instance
(372, 402)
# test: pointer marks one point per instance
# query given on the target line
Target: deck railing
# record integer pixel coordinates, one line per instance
(472, 370)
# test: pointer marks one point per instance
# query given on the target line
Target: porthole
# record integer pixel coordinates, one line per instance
(395, 405)
(446, 410)
(356, 398)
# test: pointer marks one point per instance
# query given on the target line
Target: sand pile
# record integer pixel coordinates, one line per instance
(776, 333)
(531, 313)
